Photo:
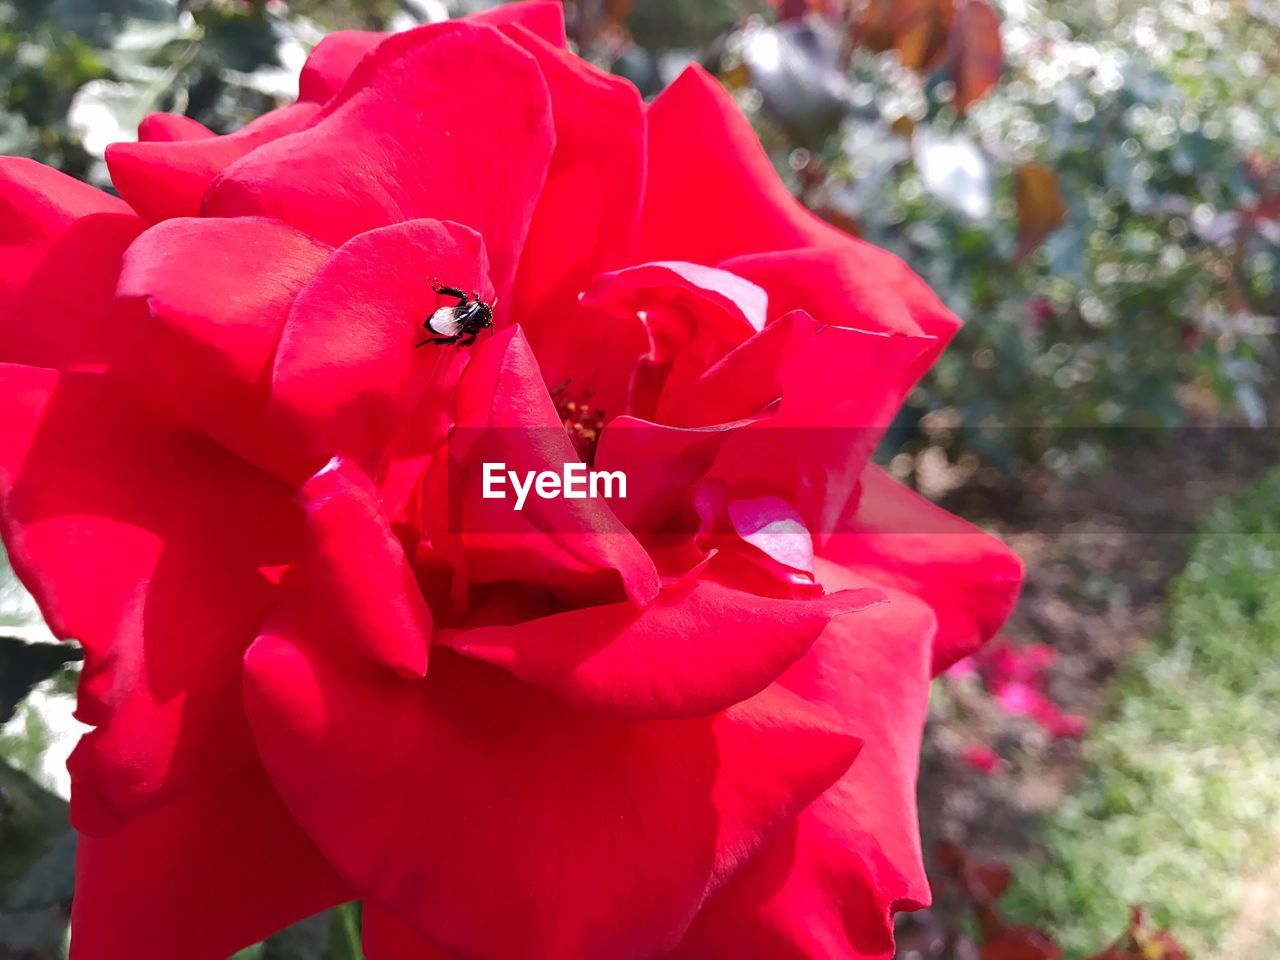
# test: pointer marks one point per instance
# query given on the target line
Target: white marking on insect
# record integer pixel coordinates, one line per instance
(444, 322)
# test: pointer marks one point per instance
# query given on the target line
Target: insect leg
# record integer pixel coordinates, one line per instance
(454, 292)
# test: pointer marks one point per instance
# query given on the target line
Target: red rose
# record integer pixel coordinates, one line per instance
(320, 667)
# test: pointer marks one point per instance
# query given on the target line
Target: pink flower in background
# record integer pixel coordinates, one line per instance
(1015, 675)
(321, 667)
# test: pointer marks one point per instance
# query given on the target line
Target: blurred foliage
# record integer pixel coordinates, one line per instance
(661, 25)
(37, 869)
(1104, 219)
(76, 75)
(349, 14)
(1181, 797)
(333, 935)
(23, 665)
(980, 884)
(37, 845)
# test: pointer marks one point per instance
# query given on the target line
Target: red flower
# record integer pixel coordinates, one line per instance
(321, 667)
(1142, 942)
(982, 758)
(1015, 676)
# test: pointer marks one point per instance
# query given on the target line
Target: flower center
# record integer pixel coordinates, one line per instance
(582, 422)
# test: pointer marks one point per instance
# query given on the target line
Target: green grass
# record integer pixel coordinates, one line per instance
(1180, 801)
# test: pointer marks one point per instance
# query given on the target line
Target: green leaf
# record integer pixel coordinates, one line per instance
(344, 933)
(32, 823)
(49, 882)
(99, 21)
(23, 665)
(17, 608)
(305, 940)
(332, 935)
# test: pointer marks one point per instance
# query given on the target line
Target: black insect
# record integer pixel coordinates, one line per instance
(460, 323)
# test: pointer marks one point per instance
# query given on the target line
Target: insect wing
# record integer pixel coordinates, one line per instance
(444, 322)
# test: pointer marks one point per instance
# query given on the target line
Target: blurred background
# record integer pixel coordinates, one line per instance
(1094, 186)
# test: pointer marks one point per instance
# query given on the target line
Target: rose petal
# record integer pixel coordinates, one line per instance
(829, 884)
(51, 228)
(405, 140)
(171, 127)
(694, 315)
(202, 877)
(145, 541)
(348, 370)
(499, 780)
(746, 380)
(898, 538)
(334, 58)
(576, 548)
(840, 391)
(588, 206)
(332, 62)
(386, 937)
(849, 284)
(591, 356)
(216, 294)
(639, 339)
(542, 18)
(667, 660)
(167, 177)
(713, 196)
(663, 466)
(741, 305)
(761, 544)
(376, 594)
(773, 527)
(711, 191)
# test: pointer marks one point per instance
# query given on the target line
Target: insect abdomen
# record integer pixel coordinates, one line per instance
(444, 322)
